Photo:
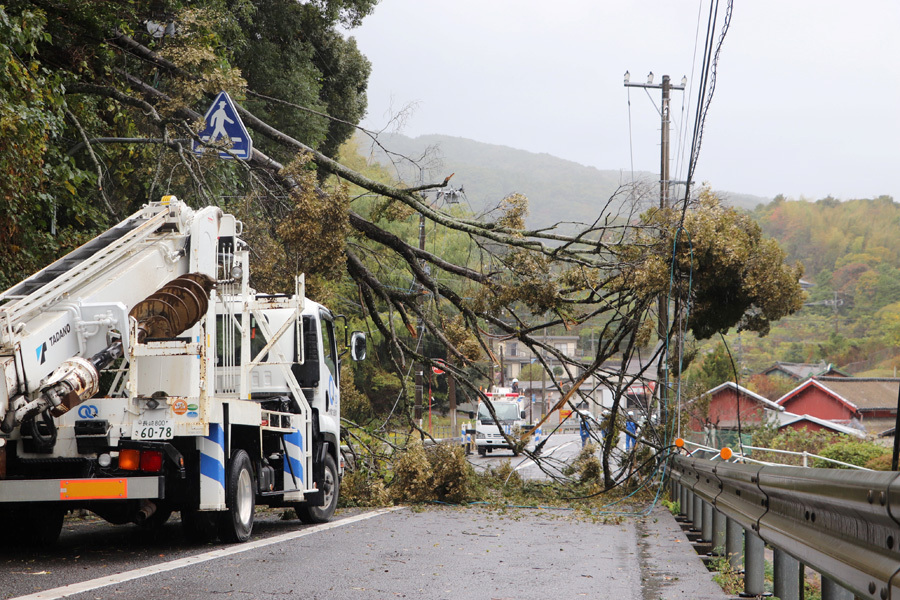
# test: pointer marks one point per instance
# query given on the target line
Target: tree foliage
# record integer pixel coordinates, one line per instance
(725, 268)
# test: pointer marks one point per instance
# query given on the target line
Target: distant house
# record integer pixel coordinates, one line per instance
(803, 371)
(730, 407)
(866, 403)
(809, 423)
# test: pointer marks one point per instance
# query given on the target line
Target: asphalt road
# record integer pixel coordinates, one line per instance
(453, 553)
(559, 450)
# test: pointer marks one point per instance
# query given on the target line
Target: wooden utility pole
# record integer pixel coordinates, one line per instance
(451, 396)
(664, 181)
(421, 328)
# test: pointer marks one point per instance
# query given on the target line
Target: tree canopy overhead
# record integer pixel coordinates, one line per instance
(101, 101)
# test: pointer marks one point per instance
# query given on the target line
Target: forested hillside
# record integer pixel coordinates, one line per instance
(850, 252)
(557, 189)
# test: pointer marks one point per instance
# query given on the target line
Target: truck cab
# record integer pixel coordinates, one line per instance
(489, 432)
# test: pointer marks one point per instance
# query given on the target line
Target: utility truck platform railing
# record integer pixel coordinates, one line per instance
(844, 524)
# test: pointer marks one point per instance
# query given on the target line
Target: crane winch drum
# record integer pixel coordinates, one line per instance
(171, 310)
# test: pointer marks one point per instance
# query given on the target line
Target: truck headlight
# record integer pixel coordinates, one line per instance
(480, 436)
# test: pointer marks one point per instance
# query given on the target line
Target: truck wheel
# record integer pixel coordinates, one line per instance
(482, 451)
(43, 525)
(199, 526)
(331, 486)
(236, 523)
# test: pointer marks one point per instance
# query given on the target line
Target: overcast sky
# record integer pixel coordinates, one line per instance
(807, 99)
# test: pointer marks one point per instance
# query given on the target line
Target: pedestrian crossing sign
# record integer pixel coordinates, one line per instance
(224, 128)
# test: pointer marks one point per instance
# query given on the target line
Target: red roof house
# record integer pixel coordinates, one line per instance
(867, 402)
(810, 423)
(731, 405)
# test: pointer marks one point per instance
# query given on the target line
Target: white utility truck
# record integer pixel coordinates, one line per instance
(141, 375)
(510, 419)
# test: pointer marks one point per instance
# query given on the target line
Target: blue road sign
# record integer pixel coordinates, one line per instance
(223, 123)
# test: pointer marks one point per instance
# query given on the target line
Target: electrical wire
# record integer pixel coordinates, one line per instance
(737, 393)
(682, 142)
(708, 79)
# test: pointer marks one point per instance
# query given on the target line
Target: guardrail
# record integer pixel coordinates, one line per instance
(804, 456)
(843, 524)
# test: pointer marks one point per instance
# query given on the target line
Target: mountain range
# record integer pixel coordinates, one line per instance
(558, 190)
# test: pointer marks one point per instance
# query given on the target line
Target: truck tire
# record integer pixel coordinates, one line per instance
(331, 486)
(482, 451)
(42, 525)
(199, 526)
(236, 523)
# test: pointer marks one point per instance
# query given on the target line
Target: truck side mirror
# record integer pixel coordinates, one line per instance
(358, 345)
(521, 414)
(471, 414)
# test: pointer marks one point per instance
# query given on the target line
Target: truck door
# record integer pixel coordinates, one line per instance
(330, 358)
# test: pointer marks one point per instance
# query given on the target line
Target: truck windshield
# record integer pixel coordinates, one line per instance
(506, 411)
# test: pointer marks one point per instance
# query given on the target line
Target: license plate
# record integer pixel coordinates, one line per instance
(153, 429)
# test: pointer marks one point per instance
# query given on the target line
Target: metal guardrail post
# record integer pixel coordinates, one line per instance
(698, 512)
(831, 590)
(787, 576)
(683, 498)
(734, 543)
(718, 533)
(754, 565)
(706, 533)
(689, 505)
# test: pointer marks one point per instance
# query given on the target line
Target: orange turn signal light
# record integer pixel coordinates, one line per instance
(726, 453)
(130, 460)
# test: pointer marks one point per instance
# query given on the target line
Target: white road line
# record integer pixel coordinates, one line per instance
(93, 584)
(526, 462)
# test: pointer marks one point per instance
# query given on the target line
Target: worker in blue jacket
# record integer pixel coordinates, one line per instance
(631, 428)
(585, 430)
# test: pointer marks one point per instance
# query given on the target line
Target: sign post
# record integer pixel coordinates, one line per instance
(224, 126)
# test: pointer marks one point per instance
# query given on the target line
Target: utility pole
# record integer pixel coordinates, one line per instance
(666, 86)
(451, 394)
(664, 181)
(421, 328)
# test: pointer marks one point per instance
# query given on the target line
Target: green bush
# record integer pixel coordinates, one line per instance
(363, 488)
(453, 478)
(793, 440)
(880, 463)
(853, 452)
(439, 472)
(412, 475)
(586, 468)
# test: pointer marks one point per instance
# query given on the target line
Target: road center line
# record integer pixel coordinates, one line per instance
(93, 584)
